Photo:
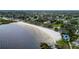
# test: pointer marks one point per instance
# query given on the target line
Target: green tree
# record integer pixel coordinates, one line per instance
(71, 27)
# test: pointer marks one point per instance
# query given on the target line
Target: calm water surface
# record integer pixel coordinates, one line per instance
(15, 36)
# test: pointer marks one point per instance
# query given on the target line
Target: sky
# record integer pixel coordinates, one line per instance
(39, 5)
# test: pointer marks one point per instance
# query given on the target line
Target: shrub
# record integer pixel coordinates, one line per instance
(61, 44)
(45, 46)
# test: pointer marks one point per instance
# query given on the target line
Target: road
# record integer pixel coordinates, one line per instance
(22, 35)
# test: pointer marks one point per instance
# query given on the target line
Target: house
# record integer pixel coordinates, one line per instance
(77, 32)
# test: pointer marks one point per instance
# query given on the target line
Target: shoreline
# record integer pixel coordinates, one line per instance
(54, 36)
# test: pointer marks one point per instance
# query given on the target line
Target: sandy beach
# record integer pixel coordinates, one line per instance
(50, 35)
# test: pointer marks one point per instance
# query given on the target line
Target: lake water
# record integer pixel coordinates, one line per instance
(15, 36)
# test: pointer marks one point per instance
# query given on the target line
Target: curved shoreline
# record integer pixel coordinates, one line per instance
(26, 36)
(53, 35)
